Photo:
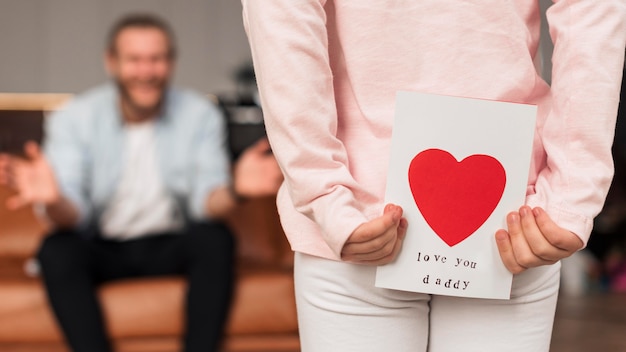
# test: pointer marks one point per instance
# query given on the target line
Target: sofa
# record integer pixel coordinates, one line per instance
(141, 315)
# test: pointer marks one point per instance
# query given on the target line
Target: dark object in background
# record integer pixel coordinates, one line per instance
(18, 127)
(245, 127)
(243, 112)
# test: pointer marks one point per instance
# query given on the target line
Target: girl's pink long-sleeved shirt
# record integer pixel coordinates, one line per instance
(328, 73)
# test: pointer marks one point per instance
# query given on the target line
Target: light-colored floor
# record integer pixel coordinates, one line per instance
(591, 323)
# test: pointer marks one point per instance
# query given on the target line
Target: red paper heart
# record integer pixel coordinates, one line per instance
(455, 198)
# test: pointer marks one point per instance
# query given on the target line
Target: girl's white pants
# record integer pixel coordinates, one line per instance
(340, 309)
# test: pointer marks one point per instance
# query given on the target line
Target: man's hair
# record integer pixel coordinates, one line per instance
(141, 20)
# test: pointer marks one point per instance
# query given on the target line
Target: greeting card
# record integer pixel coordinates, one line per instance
(457, 167)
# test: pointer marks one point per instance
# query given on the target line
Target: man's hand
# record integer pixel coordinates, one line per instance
(257, 174)
(533, 239)
(377, 242)
(32, 178)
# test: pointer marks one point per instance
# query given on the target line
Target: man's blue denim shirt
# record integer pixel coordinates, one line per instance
(84, 144)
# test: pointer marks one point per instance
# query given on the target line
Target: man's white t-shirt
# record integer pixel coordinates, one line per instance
(141, 205)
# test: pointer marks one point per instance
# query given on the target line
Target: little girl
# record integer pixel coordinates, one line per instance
(328, 73)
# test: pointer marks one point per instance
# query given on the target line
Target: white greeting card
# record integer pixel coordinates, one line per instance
(457, 167)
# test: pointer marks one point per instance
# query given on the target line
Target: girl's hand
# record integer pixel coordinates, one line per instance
(377, 242)
(533, 239)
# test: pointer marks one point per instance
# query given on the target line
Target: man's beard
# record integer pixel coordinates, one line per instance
(127, 97)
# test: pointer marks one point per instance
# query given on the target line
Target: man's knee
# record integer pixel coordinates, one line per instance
(211, 240)
(60, 252)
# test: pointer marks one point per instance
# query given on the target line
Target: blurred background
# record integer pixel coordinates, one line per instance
(56, 46)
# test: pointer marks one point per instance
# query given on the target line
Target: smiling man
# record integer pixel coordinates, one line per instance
(135, 177)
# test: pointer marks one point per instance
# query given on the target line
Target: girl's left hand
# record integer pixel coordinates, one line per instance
(533, 239)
